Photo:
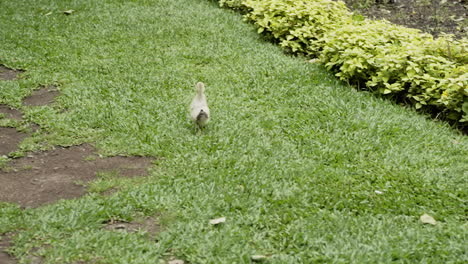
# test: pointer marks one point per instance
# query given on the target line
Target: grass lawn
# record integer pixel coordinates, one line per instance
(292, 157)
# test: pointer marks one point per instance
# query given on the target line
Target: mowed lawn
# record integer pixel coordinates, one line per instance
(292, 157)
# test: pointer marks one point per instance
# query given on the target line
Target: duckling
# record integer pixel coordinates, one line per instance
(199, 111)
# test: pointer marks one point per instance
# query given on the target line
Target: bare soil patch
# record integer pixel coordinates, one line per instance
(5, 243)
(430, 16)
(45, 95)
(150, 225)
(9, 140)
(8, 74)
(10, 137)
(46, 177)
(10, 112)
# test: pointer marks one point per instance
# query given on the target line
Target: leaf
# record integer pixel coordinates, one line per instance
(68, 12)
(465, 107)
(427, 219)
(48, 14)
(258, 258)
(411, 73)
(357, 17)
(217, 221)
(260, 30)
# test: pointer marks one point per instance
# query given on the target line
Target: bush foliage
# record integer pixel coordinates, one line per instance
(393, 60)
(387, 59)
(298, 25)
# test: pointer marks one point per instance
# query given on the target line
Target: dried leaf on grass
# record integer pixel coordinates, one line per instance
(427, 219)
(217, 221)
(258, 258)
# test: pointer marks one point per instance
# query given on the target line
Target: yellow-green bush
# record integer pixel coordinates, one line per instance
(298, 25)
(395, 60)
(455, 93)
(450, 48)
(387, 59)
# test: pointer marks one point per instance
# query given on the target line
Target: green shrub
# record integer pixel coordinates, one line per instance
(298, 25)
(455, 93)
(394, 60)
(388, 59)
(450, 48)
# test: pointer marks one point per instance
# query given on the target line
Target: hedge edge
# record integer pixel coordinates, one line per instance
(391, 60)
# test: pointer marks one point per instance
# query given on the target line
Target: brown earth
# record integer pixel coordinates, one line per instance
(10, 112)
(9, 139)
(45, 95)
(8, 74)
(5, 243)
(149, 225)
(46, 177)
(430, 16)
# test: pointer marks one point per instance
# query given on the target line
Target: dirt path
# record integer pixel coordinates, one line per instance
(5, 258)
(45, 177)
(8, 74)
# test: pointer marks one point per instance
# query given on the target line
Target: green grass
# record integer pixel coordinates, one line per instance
(292, 157)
